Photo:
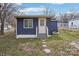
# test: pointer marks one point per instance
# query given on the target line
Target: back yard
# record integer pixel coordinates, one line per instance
(58, 44)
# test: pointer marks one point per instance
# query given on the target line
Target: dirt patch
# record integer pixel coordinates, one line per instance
(30, 49)
(27, 47)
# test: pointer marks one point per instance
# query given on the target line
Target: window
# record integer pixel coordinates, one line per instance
(42, 22)
(28, 23)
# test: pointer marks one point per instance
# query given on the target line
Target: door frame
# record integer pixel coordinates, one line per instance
(43, 30)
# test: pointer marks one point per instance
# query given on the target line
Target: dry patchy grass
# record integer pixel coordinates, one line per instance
(60, 44)
(9, 45)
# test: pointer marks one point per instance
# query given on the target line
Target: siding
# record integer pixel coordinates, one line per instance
(21, 30)
(52, 26)
(75, 24)
(62, 25)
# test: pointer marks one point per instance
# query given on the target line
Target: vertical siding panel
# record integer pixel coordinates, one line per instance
(52, 26)
(21, 30)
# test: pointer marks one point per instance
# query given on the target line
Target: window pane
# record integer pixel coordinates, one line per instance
(30, 23)
(26, 23)
(41, 22)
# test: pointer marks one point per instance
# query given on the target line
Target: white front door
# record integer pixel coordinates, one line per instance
(42, 25)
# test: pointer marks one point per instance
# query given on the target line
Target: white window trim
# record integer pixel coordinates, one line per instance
(24, 23)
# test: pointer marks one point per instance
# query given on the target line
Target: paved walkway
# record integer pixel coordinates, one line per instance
(75, 44)
(45, 48)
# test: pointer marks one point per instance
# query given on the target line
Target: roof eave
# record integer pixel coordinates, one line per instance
(33, 16)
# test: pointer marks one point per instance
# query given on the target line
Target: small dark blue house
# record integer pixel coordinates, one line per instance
(35, 26)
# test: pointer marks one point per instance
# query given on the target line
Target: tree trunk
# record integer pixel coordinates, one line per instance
(2, 27)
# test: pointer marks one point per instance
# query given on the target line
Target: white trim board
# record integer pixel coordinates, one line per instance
(26, 36)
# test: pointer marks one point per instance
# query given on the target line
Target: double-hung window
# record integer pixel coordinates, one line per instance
(28, 23)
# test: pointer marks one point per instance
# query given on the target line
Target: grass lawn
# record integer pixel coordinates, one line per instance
(58, 44)
(9, 45)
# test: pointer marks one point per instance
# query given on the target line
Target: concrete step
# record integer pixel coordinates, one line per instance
(42, 35)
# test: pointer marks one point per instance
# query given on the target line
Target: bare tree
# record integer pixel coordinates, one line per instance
(6, 11)
(50, 13)
(69, 16)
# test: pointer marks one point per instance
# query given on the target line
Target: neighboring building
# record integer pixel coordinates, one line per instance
(74, 24)
(35, 26)
(63, 25)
